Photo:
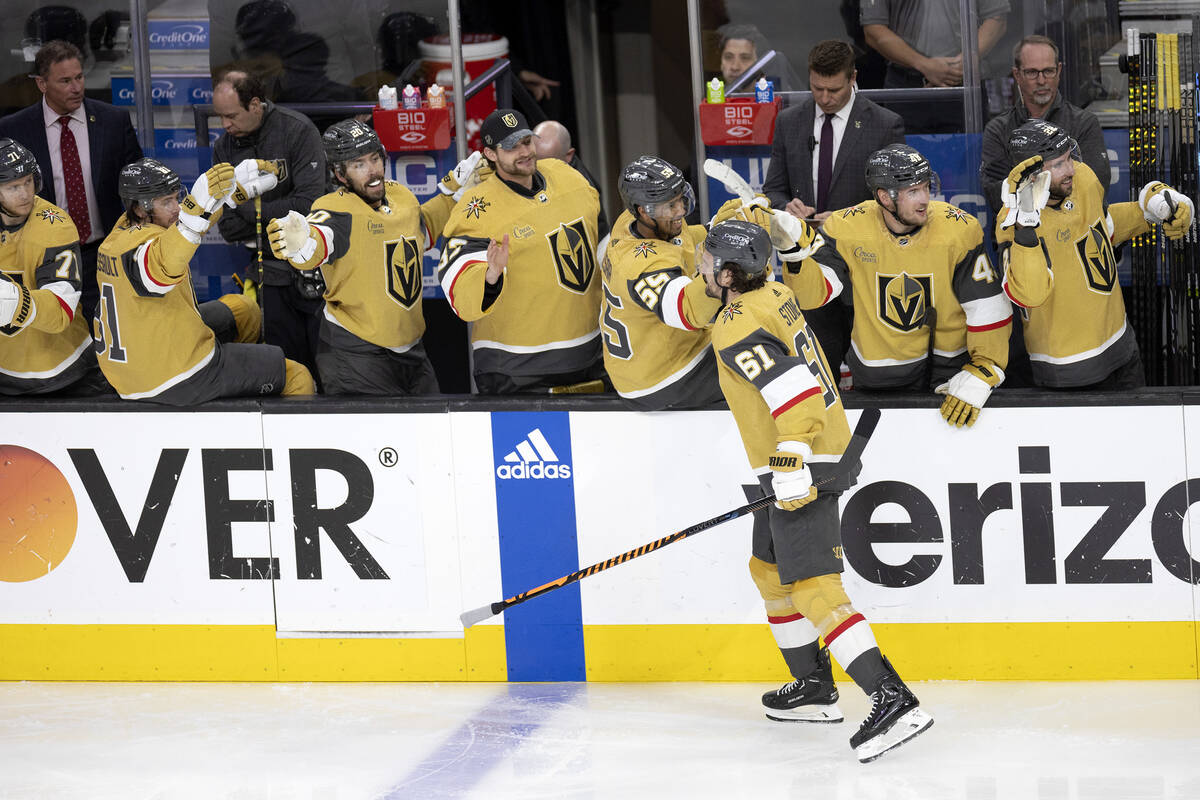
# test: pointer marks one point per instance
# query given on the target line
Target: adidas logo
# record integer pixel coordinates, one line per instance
(533, 457)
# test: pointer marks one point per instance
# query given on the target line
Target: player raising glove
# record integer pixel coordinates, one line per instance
(1162, 204)
(199, 209)
(254, 176)
(464, 176)
(291, 238)
(967, 391)
(1025, 193)
(794, 238)
(756, 211)
(790, 477)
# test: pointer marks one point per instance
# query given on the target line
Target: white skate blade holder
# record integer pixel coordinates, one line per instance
(909, 726)
(810, 713)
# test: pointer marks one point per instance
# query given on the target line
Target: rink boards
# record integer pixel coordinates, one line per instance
(1045, 543)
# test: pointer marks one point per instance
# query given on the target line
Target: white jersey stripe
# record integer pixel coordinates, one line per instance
(522, 349)
(672, 303)
(50, 373)
(142, 257)
(1086, 354)
(987, 312)
(67, 294)
(788, 386)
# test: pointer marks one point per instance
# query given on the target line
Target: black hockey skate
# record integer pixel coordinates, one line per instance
(810, 699)
(895, 718)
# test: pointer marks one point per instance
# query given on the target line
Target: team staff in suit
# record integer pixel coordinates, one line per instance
(100, 136)
(818, 161)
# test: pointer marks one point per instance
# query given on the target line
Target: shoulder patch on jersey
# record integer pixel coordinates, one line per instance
(852, 211)
(731, 310)
(52, 215)
(954, 212)
(476, 206)
(644, 249)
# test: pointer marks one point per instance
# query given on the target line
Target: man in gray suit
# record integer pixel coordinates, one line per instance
(818, 161)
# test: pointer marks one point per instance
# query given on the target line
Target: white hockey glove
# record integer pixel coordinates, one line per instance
(794, 238)
(756, 211)
(790, 477)
(1163, 205)
(254, 176)
(16, 306)
(1025, 193)
(967, 391)
(208, 193)
(462, 177)
(291, 238)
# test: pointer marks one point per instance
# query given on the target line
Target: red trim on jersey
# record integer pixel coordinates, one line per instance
(800, 398)
(840, 629)
(992, 327)
(145, 265)
(782, 620)
(828, 290)
(1010, 297)
(450, 294)
(683, 317)
(66, 308)
(325, 244)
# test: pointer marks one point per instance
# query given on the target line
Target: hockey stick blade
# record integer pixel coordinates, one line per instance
(733, 182)
(863, 428)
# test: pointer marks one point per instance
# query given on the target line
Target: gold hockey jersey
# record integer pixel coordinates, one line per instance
(893, 279)
(1073, 311)
(777, 381)
(148, 331)
(655, 313)
(371, 260)
(542, 317)
(45, 347)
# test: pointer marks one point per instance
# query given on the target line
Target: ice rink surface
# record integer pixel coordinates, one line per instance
(990, 741)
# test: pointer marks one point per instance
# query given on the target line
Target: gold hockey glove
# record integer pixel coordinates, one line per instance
(967, 391)
(790, 476)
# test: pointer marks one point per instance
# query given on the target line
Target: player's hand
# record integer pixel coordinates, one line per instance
(794, 238)
(790, 477)
(290, 238)
(16, 306)
(464, 176)
(197, 212)
(253, 177)
(1024, 193)
(756, 211)
(1169, 208)
(497, 259)
(967, 391)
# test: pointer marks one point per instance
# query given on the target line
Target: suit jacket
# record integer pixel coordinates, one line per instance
(789, 175)
(111, 144)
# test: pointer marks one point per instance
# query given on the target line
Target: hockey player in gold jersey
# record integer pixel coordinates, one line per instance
(655, 313)
(368, 237)
(45, 345)
(1056, 237)
(520, 263)
(152, 340)
(899, 255)
(787, 408)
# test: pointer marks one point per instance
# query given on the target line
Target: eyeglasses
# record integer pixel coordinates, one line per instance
(1032, 74)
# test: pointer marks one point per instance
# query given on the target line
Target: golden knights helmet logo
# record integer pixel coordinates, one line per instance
(903, 299)
(574, 256)
(1096, 255)
(404, 271)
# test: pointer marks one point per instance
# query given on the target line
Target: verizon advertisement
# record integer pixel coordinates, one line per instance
(391, 523)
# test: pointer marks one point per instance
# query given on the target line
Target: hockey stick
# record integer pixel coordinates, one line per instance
(930, 321)
(733, 182)
(858, 442)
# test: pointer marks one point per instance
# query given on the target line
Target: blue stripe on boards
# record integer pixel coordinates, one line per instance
(535, 510)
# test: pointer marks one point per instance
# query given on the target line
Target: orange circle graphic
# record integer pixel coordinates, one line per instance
(38, 516)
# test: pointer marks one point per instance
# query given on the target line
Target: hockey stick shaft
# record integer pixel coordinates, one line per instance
(858, 442)
(733, 182)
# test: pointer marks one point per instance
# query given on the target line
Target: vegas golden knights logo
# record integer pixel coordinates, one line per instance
(1096, 256)
(574, 257)
(903, 299)
(281, 165)
(404, 272)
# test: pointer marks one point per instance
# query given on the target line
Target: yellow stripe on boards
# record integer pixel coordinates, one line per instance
(240, 653)
(951, 651)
